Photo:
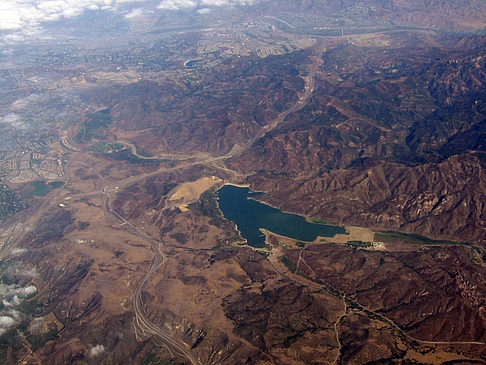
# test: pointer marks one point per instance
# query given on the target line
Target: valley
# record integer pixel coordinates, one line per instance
(115, 234)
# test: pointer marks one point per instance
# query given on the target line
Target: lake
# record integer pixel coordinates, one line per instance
(250, 215)
(191, 63)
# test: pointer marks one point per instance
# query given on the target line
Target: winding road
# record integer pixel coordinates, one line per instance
(142, 322)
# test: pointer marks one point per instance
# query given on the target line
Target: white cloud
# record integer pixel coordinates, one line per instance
(134, 13)
(6, 321)
(29, 290)
(10, 19)
(177, 4)
(30, 273)
(96, 350)
(27, 16)
(11, 297)
(17, 251)
(15, 300)
(13, 119)
(204, 11)
(24, 19)
(203, 4)
(9, 292)
(215, 2)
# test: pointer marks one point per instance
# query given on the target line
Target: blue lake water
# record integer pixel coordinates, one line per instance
(192, 63)
(250, 215)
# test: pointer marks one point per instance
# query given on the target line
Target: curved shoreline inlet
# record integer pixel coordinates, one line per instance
(250, 215)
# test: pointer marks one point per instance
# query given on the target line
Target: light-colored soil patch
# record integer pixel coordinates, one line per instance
(196, 293)
(282, 240)
(117, 77)
(355, 234)
(190, 192)
(438, 356)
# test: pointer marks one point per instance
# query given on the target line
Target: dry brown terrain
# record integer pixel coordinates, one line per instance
(133, 262)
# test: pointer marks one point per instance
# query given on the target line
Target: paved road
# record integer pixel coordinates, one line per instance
(141, 319)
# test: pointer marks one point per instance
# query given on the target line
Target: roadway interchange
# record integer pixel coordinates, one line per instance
(142, 324)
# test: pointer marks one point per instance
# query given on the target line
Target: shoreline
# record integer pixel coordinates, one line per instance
(352, 232)
(306, 218)
(372, 228)
(235, 184)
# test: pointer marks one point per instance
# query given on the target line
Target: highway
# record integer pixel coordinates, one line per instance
(142, 323)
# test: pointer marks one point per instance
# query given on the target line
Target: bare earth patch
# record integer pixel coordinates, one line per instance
(190, 192)
(355, 234)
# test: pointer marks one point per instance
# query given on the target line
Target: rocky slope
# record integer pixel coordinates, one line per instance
(390, 138)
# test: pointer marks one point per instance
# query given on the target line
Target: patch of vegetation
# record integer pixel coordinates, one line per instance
(10, 202)
(288, 263)
(127, 155)
(120, 152)
(10, 340)
(40, 188)
(31, 307)
(208, 204)
(83, 225)
(180, 237)
(143, 153)
(118, 253)
(392, 236)
(35, 162)
(477, 255)
(317, 220)
(37, 341)
(359, 243)
(151, 359)
(94, 126)
(106, 148)
(56, 184)
(300, 244)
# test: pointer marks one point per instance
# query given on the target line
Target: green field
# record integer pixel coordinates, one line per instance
(94, 126)
(40, 188)
(10, 202)
(119, 152)
(105, 147)
(360, 243)
(392, 236)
